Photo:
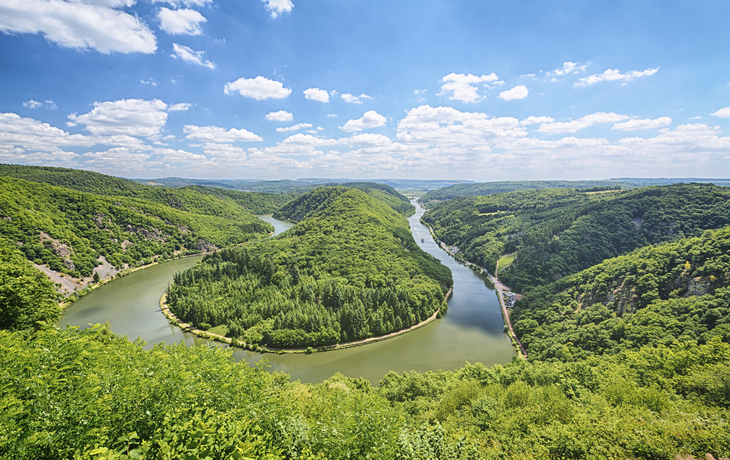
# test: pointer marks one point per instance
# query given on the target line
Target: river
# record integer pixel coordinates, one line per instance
(472, 330)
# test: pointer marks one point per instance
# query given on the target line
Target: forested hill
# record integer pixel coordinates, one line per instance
(349, 271)
(308, 204)
(656, 295)
(556, 232)
(198, 199)
(68, 230)
(491, 188)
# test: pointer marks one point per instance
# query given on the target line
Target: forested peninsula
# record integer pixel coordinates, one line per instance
(349, 270)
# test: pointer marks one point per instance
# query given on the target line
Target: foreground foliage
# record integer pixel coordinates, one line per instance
(73, 394)
(349, 271)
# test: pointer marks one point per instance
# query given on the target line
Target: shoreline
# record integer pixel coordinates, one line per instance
(498, 286)
(185, 327)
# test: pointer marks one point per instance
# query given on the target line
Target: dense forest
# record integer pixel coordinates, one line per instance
(655, 295)
(68, 230)
(349, 270)
(555, 232)
(319, 199)
(193, 198)
(629, 358)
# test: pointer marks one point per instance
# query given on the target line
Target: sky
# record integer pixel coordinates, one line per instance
(483, 90)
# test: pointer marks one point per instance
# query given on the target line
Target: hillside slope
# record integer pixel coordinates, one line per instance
(655, 295)
(193, 198)
(350, 270)
(69, 230)
(319, 198)
(553, 233)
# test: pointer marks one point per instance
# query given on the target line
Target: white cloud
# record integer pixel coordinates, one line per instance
(149, 81)
(635, 125)
(26, 134)
(461, 86)
(219, 135)
(347, 97)
(534, 120)
(48, 104)
(614, 75)
(581, 123)
(180, 22)
(181, 107)
(568, 69)
(258, 88)
(332, 115)
(31, 104)
(317, 94)
(296, 127)
(78, 25)
(371, 119)
(188, 55)
(277, 7)
(516, 93)
(281, 115)
(722, 113)
(133, 117)
(177, 3)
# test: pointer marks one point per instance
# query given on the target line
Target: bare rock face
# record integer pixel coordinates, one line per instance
(98, 220)
(152, 234)
(206, 246)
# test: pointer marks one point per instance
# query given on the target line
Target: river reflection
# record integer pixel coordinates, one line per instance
(473, 329)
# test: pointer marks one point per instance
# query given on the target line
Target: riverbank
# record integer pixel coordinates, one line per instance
(185, 327)
(499, 288)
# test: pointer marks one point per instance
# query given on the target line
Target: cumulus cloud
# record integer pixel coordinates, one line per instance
(534, 120)
(722, 113)
(281, 115)
(258, 88)
(317, 94)
(635, 125)
(276, 7)
(219, 135)
(581, 123)
(446, 128)
(296, 127)
(180, 22)
(79, 25)
(188, 55)
(516, 93)
(347, 97)
(614, 75)
(462, 86)
(132, 117)
(23, 134)
(371, 119)
(149, 81)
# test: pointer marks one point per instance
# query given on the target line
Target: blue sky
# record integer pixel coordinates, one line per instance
(270, 89)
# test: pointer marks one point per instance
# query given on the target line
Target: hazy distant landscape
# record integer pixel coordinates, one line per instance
(276, 229)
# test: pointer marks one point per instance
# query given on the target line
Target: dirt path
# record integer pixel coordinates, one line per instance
(209, 335)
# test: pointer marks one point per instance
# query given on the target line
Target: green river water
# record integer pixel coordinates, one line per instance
(473, 329)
